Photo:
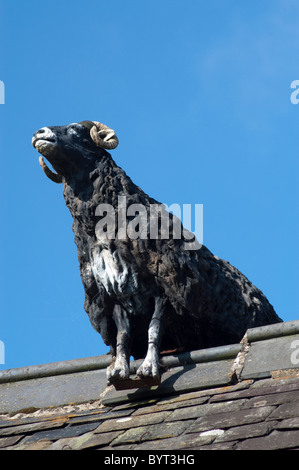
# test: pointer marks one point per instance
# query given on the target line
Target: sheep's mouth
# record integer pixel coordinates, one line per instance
(45, 146)
(36, 141)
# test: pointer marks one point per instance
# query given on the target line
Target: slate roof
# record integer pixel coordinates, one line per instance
(237, 397)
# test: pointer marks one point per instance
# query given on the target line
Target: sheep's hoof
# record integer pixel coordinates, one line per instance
(118, 370)
(149, 369)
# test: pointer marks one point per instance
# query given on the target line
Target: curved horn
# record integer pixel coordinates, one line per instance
(103, 136)
(49, 173)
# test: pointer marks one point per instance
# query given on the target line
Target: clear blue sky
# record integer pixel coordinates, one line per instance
(199, 95)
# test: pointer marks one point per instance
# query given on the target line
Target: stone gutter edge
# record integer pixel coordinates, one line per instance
(272, 331)
(101, 362)
(193, 357)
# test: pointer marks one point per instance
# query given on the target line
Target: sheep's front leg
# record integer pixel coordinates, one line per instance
(150, 366)
(119, 368)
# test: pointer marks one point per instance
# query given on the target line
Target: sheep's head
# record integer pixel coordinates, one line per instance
(68, 147)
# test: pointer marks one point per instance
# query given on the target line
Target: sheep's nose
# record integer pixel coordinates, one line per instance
(40, 131)
(44, 134)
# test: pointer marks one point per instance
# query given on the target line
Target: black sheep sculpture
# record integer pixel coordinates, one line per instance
(143, 294)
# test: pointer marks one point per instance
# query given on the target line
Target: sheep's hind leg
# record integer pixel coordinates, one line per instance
(119, 368)
(150, 366)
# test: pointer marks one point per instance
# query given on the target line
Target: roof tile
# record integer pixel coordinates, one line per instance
(246, 432)
(132, 421)
(274, 441)
(152, 432)
(228, 419)
(205, 409)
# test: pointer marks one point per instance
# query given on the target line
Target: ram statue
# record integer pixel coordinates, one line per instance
(143, 294)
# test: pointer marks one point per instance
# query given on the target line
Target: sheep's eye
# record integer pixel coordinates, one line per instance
(86, 142)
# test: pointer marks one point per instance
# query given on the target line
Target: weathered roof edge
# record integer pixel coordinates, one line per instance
(273, 331)
(198, 356)
(262, 351)
(101, 362)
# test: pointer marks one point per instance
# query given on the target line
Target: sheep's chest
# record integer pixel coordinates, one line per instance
(111, 271)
